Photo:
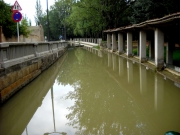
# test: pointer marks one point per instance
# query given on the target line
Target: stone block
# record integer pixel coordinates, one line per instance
(12, 77)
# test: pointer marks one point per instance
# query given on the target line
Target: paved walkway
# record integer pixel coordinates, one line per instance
(88, 44)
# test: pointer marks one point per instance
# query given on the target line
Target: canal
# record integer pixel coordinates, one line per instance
(92, 92)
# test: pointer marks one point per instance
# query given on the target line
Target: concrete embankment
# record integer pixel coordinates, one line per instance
(20, 63)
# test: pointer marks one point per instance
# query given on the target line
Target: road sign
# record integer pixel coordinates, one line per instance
(16, 6)
(16, 16)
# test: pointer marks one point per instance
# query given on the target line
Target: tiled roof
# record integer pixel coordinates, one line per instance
(164, 20)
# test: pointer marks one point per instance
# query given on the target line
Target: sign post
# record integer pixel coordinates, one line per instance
(17, 16)
(18, 31)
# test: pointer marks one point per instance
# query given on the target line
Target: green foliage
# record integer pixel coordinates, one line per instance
(143, 10)
(176, 57)
(8, 26)
(39, 14)
(90, 18)
(24, 27)
(147, 51)
(135, 51)
(86, 18)
(44, 24)
(97, 47)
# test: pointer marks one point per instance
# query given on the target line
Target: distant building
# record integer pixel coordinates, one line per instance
(36, 35)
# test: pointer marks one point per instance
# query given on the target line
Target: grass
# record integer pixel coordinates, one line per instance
(97, 47)
(147, 51)
(176, 55)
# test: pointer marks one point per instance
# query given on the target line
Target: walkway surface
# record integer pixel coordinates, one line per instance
(88, 44)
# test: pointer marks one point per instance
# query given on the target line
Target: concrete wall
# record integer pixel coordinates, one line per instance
(20, 63)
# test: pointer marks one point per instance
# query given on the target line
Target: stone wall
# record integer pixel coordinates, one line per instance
(17, 70)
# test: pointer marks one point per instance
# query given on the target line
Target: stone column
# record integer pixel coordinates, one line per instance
(108, 41)
(159, 49)
(169, 52)
(129, 44)
(114, 43)
(120, 43)
(142, 48)
(99, 41)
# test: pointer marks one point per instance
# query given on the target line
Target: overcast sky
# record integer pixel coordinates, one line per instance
(28, 7)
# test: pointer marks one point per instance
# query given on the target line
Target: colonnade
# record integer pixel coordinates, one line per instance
(116, 43)
(90, 40)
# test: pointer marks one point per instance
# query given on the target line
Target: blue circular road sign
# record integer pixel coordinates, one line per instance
(16, 16)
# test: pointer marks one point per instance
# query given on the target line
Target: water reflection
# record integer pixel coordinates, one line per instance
(18, 111)
(143, 80)
(129, 71)
(158, 92)
(104, 95)
(109, 59)
(94, 115)
(114, 62)
(121, 66)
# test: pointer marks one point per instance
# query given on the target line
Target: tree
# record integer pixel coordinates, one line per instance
(8, 26)
(116, 12)
(143, 10)
(58, 14)
(85, 18)
(24, 27)
(39, 14)
(90, 18)
(29, 22)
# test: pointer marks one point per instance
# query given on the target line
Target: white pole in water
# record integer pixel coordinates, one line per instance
(18, 31)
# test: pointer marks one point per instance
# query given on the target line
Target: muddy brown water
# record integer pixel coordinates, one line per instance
(93, 92)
